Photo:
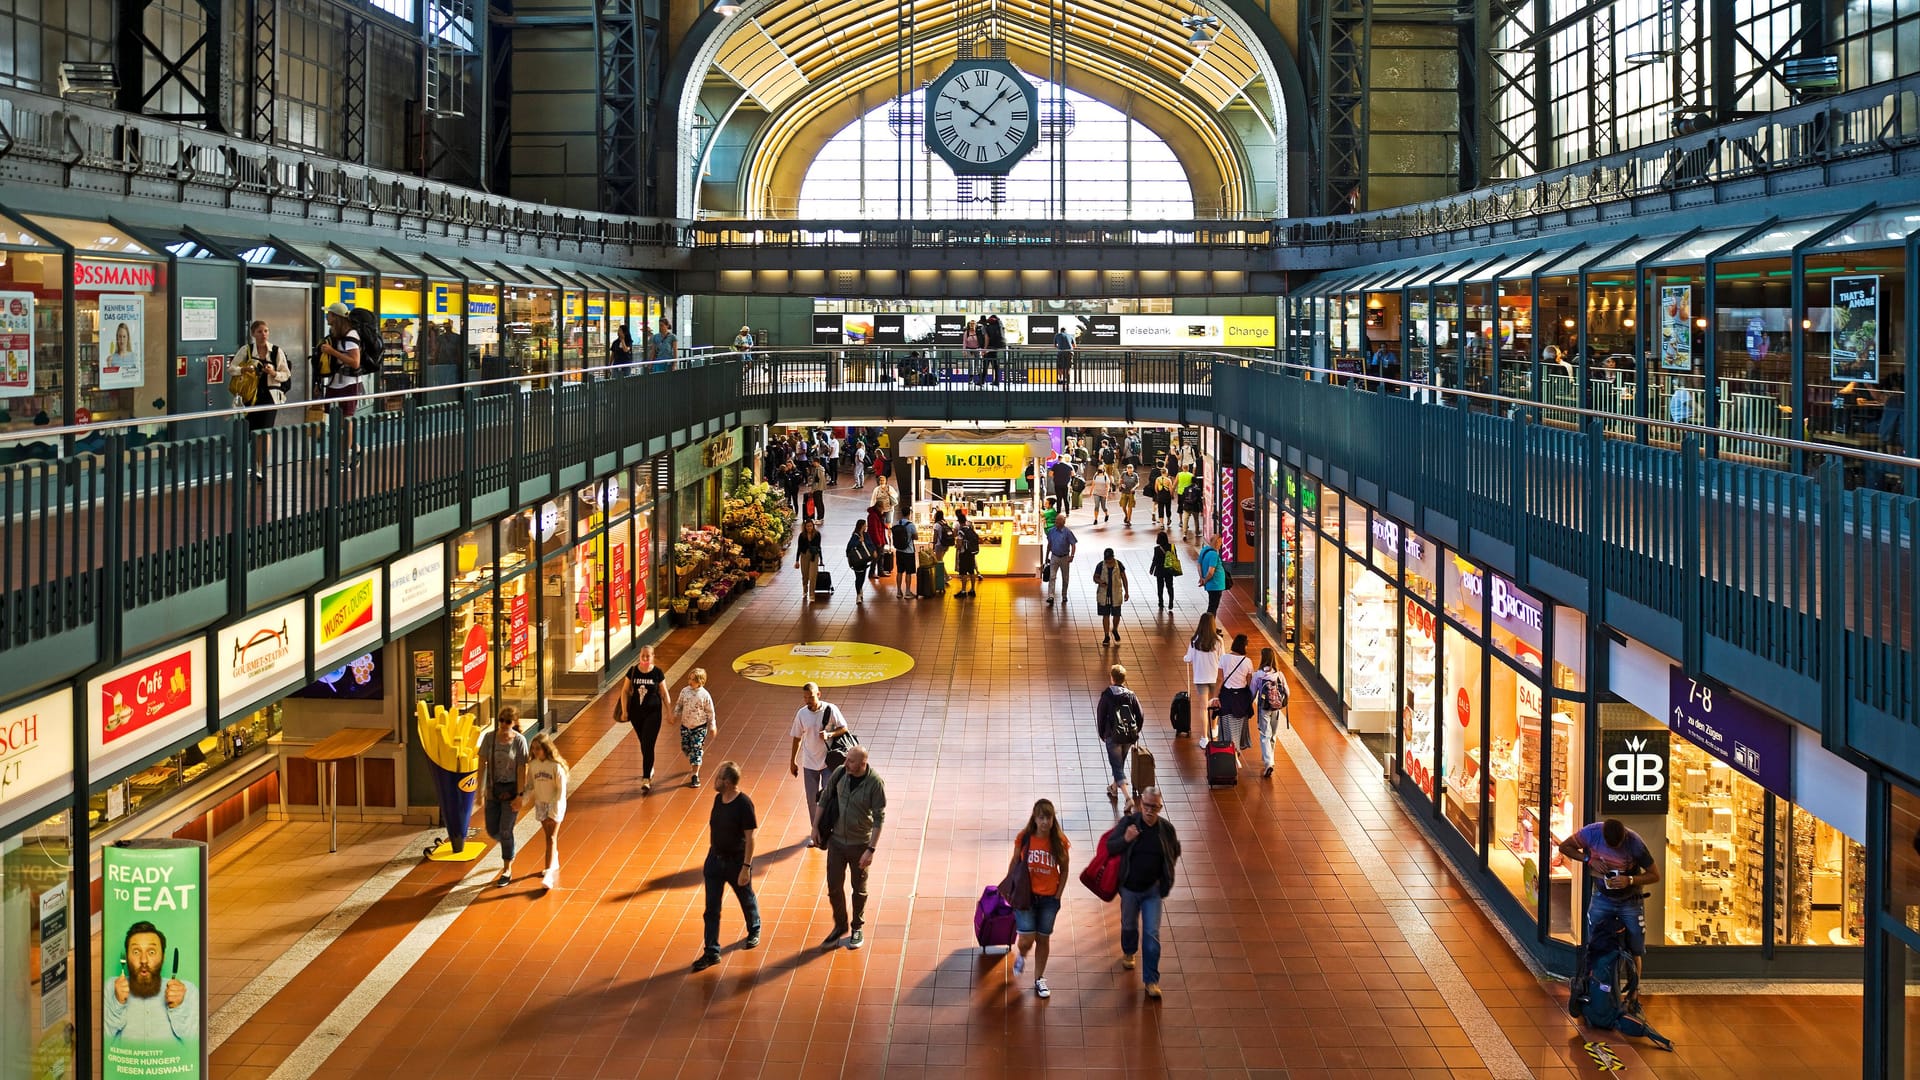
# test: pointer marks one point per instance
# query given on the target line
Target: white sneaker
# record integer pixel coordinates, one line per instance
(550, 878)
(1019, 963)
(1040, 988)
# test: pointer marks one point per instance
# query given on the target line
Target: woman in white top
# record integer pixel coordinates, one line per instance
(1235, 695)
(547, 774)
(1100, 487)
(694, 709)
(1203, 659)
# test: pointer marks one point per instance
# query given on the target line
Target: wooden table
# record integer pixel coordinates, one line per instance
(332, 750)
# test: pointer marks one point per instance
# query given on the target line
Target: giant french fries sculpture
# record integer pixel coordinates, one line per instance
(452, 744)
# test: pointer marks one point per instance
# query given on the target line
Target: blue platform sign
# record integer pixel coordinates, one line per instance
(1715, 719)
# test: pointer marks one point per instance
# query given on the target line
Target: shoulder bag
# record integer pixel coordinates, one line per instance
(1017, 887)
(838, 745)
(1102, 872)
(828, 815)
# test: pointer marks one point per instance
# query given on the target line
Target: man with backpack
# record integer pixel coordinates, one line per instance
(341, 353)
(1621, 866)
(1109, 592)
(1117, 721)
(905, 535)
(966, 557)
(942, 543)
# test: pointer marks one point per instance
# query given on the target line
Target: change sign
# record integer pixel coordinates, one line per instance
(152, 955)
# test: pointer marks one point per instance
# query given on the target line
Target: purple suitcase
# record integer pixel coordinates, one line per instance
(993, 920)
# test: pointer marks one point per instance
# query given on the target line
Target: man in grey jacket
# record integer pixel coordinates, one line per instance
(861, 800)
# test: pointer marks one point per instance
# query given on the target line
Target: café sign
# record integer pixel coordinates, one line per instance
(138, 708)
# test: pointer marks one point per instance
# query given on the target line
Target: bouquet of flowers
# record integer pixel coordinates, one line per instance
(758, 523)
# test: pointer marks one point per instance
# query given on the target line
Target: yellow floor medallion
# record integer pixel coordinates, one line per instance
(829, 663)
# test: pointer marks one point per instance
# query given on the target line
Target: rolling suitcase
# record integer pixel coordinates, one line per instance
(1140, 766)
(1182, 714)
(993, 920)
(923, 583)
(1223, 768)
(822, 583)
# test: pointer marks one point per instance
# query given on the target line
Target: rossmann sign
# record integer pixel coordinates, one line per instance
(103, 275)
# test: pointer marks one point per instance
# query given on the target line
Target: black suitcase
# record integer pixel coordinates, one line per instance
(822, 583)
(923, 583)
(1182, 714)
(1223, 767)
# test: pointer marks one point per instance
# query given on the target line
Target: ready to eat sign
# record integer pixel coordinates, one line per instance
(36, 754)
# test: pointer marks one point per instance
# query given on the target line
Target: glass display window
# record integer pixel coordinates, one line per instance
(1308, 553)
(178, 771)
(1463, 728)
(483, 322)
(1272, 580)
(1465, 592)
(1854, 328)
(1569, 649)
(528, 320)
(1328, 601)
(1714, 870)
(1421, 566)
(1821, 899)
(473, 562)
(441, 342)
(1420, 671)
(36, 981)
(1566, 779)
(33, 365)
(1331, 505)
(1519, 621)
(1372, 642)
(1903, 857)
(1478, 340)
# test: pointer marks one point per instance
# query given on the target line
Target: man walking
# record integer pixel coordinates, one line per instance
(814, 723)
(1061, 474)
(1148, 848)
(730, 829)
(1213, 573)
(1129, 487)
(1118, 720)
(1061, 547)
(860, 810)
(1109, 592)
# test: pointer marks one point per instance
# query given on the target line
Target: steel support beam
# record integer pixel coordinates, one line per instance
(353, 92)
(622, 111)
(135, 49)
(262, 83)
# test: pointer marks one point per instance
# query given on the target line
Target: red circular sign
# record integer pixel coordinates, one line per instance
(83, 416)
(1463, 706)
(474, 656)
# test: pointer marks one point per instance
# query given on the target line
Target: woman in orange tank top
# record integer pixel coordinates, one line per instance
(1044, 847)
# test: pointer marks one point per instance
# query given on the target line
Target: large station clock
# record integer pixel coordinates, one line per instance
(983, 116)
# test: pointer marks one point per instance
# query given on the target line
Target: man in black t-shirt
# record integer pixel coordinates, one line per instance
(729, 860)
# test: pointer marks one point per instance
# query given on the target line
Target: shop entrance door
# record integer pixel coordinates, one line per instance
(288, 310)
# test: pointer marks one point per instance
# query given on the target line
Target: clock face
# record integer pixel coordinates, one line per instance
(981, 117)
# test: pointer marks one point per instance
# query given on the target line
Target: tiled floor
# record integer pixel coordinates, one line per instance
(1313, 932)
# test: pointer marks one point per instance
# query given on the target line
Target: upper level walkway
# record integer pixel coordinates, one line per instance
(1797, 589)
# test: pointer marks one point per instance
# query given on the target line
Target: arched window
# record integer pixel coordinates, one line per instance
(1114, 168)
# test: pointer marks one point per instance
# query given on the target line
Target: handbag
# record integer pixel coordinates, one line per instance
(1017, 887)
(829, 813)
(1102, 872)
(245, 382)
(504, 790)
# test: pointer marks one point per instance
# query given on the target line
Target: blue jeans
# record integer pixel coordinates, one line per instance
(500, 818)
(720, 873)
(1140, 916)
(1632, 912)
(1117, 758)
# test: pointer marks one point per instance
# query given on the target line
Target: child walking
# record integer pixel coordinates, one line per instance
(694, 709)
(548, 774)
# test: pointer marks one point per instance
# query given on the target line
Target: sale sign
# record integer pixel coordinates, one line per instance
(518, 629)
(622, 585)
(474, 656)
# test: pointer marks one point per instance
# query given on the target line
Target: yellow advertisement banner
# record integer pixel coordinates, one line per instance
(976, 461)
(1249, 331)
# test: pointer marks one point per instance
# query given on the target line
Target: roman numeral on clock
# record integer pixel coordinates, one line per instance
(1018, 116)
(949, 134)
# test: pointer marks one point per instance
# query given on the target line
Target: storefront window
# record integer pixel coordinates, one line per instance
(528, 320)
(440, 344)
(1462, 712)
(36, 982)
(1825, 881)
(1308, 552)
(483, 324)
(1417, 360)
(520, 545)
(1372, 642)
(1752, 339)
(1513, 335)
(1464, 592)
(1422, 652)
(32, 366)
(1715, 868)
(121, 329)
(1331, 584)
(1479, 342)
(170, 775)
(1856, 365)
(1903, 858)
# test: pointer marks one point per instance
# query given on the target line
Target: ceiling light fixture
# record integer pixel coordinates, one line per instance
(1204, 28)
(726, 9)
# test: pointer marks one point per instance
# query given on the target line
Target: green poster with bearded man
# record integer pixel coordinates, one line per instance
(153, 937)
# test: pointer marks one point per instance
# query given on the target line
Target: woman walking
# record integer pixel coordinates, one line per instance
(806, 558)
(860, 556)
(1099, 488)
(548, 777)
(1270, 695)
(1235, 696)
(1166, 567)
(1042, 847)
(1203, 658)
(643, 705)
(694, 710)
(1162, 498)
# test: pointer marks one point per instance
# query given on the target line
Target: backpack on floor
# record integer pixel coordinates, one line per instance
(1182, 713)
(1606, 988)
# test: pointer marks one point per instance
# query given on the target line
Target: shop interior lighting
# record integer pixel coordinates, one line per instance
(726, 9)
(1204, 28)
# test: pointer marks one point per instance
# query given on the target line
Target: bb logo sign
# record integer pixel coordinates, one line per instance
(1633, 772)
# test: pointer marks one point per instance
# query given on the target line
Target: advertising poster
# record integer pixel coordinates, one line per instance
(55, 947)
(346, 619)
(518, 624)
(642, 569)
(16, 344)
(1102, 330)
(153, 942)
(142, 706)
(1676, 328)
(622, 584)
(827, 330)
(122, 340)
(1855, 351)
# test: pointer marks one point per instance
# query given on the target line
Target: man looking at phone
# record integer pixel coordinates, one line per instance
(1621, 866)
